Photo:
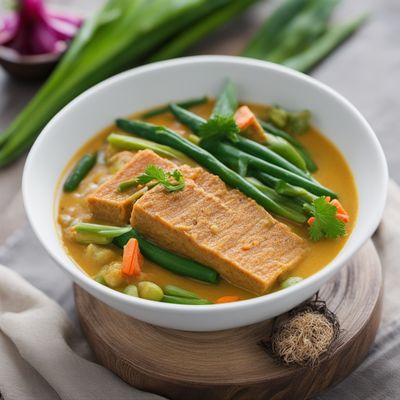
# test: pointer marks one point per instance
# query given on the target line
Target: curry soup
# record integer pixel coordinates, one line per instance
(73, 208)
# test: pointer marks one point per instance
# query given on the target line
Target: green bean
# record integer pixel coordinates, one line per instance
(311, 166)
(168, 137)
(265, 178)
(293, 203)
(150, 291)
(124, 142)
(267, 37)
(167, 260)
(226, 103)
(227, 150)
(183, 104)
(323, 46)
(279, 151)
(193, 121)
(287, 151)
(176, 291)
(286, 189)
(267, 154)
(81, 169)
(184, 300)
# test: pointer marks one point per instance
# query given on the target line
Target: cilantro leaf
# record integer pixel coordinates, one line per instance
(220, 126)
(154, 173)
(325, 225)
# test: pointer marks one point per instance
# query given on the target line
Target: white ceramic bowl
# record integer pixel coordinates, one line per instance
(155, 84)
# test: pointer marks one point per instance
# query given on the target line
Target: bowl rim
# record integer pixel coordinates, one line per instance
(330, 269)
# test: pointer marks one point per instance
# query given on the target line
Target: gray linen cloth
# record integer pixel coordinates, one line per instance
(44, 356)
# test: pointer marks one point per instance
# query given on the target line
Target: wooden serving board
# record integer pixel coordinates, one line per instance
(230, 364)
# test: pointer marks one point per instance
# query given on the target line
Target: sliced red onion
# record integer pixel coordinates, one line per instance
(32, 30)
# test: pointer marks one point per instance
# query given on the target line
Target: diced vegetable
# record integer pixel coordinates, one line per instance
(292, 122)
(167, 260)
(292, 280)
(131, 290)
(248, 124)
(166, 136)
(123, 142)
(113, 275)
(132, 259)
(81, 169)
(184, 300)
(227, 299)
(184, 104)
(99, 254)
(150, 291)
(172, 290)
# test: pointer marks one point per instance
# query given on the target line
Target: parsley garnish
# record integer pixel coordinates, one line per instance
(220, 126)
(325, 225)
(172, 181)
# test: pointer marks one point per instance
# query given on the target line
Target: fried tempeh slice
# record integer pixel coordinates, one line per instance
(107, 203)
(221, 228)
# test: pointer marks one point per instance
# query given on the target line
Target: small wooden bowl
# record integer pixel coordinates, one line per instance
(28, 67)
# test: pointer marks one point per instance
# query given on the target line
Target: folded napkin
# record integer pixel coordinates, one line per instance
(44, 356)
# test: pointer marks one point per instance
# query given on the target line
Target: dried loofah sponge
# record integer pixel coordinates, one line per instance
(304, 335)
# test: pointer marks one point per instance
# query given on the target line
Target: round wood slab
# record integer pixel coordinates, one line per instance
(230, 364)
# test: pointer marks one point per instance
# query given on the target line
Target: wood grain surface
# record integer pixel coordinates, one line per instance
(229, 364)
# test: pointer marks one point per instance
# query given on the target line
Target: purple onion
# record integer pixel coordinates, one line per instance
(32, 30)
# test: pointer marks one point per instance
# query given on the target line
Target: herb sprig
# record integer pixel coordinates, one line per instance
(172, 181)
(220, 126)
(325, 224)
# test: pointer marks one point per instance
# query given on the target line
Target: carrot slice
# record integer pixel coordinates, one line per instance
(132, 259)
(343, 217)
(244, 117)
(310, 220)
(227, 299)
(247, 122)
(338, 205)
